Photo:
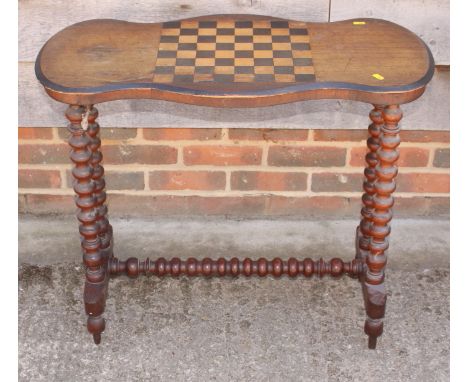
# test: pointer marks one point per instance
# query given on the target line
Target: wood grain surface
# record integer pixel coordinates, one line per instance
(103, 60)
(429, 19)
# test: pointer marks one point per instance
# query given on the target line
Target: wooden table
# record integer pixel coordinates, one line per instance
(235, 61)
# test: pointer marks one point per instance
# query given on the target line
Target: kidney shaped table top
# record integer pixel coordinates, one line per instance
(235, 61)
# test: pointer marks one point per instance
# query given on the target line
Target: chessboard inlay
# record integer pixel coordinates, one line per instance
(229, 51)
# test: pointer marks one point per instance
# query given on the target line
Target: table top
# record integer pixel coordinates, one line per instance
(235, 61)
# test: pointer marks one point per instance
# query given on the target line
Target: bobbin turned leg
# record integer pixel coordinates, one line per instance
(363, 231)
(105, 229)
(385, 171)
(96, 233)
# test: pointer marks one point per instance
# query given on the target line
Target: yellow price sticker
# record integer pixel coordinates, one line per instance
(378, 76)
(359, 22)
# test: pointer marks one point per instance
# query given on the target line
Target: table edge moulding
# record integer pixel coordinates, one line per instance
(235, 61)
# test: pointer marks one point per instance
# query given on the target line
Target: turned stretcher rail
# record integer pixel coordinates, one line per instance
(236, 267)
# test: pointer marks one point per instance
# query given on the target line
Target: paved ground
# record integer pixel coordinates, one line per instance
(232, 329)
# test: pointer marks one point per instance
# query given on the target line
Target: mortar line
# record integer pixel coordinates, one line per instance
(224, 135)
(310, 135)
(228, 175)
(309, 182)
(136, 167)
(222, 193)
(430, 160)
(233, 143)
(63, 178)
(146, 180)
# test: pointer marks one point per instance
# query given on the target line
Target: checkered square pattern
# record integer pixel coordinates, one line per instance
(230, 51)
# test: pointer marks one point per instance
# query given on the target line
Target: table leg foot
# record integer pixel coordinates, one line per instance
(97, 338)
(372, 342)
(375, 298)
(96, 326)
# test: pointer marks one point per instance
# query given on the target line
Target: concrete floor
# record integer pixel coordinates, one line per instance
(232, 329)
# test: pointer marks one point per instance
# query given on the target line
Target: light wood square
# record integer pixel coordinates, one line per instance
(243, 46)
(204, 62)
(283, 62)
(206, 46)
(297, 24)
(228, 38)
(261, 24)
(199, 77)
(189, 24)
(243, 32)
(225, 24)
(207, 32)
(244, 62)
(285, 78)
(263, 54)
(259, 38)
(281, 46)
(163, 78)
(170, 31)
(187, 39)
(264, 70)
(184, 70)
(280, 31)
(168, 46)
(186, 53)
(224, 69)
(165, 62)
(224, 54)
(244, 77)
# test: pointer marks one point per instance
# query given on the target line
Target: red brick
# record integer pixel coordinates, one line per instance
(43, 154)
(181, 134)
(425, 136)
(39, 204)
(106, 133)
(21, 204)
(268, 134)
(117, 180)
(409, 157)
(120, 154)
(268, 181)
(306, 156)
(438, 206)
(187, 180)
(171, 205)
(340, 135)
(118, 133)
(337, 182)
(245, 206)
(222, 155)
(35, 133)
(39, 178)
(420, 206)
(442, 158)
(423, 183)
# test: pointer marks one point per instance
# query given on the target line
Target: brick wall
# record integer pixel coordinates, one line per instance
(236, 172)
